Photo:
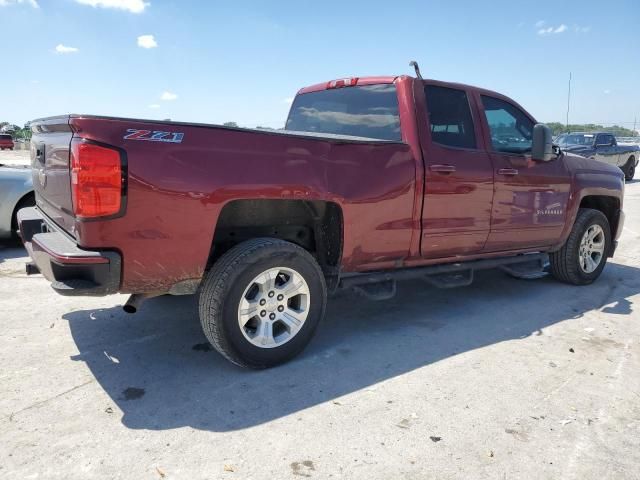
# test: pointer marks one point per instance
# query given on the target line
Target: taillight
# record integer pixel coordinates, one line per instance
(96, 180)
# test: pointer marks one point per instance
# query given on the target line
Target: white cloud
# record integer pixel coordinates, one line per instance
(607, 92)
(62, 49)
(168, 96)
(288, 100)
(147, 41)
(133, 6)
(6, 3)
(580, 29)
(539, 23)
(552, 30)
(154, 106)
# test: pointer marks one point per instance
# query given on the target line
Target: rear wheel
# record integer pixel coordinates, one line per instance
(261, 302)
(630, 169)
(583, 257)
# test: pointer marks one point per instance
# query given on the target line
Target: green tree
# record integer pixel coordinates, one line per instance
(230, 124)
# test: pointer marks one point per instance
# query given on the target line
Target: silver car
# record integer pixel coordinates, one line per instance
(16, 191)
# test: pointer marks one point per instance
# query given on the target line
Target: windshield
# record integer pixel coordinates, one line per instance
(367, 111)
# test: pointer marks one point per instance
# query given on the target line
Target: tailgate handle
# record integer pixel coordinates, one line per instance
(507, 171)
(442, 168)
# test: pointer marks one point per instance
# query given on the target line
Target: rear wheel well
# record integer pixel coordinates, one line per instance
(610, 206)
(316, 226)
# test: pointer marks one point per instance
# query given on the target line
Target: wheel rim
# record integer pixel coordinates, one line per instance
(592, 248)
(274, 307)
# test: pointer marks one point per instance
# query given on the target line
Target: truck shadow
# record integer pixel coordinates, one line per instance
(160, 371)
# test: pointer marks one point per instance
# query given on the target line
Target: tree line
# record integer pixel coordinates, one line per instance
(618, 131)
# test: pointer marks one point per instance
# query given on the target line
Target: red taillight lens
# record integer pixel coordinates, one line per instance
(96, 180)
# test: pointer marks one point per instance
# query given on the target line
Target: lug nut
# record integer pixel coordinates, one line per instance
(263, 301)
(272, 316)
(280, 308)
(271, 294)
(263, 313)
(280, 297)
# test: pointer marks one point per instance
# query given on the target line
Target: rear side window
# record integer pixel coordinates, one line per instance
(367, 111)
(5, 137)
(450, 117)
(605, 139)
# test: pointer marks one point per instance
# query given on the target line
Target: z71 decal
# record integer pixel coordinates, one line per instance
(153, 136)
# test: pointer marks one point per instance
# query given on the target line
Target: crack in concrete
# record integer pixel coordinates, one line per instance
(42, 402)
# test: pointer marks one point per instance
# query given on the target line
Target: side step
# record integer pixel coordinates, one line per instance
(531, 270)
(443, 276)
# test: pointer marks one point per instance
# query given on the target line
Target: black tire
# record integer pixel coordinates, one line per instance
(225, 284)
(630, 169)
(565, 263)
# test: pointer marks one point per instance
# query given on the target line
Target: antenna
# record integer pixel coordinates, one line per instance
(568, 100)
(414, 64)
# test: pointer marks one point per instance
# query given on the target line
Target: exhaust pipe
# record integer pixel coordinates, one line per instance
(133, 304)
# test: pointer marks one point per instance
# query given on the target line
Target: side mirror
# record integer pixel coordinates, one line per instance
(542, 143)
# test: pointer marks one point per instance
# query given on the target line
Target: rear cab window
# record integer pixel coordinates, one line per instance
(369, 111)
(5, 136)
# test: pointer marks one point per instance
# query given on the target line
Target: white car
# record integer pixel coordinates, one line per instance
(16, 192)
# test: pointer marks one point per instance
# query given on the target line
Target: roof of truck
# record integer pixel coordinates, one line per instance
(392, 79)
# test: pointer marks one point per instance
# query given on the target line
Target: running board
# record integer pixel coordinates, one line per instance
(443, 276)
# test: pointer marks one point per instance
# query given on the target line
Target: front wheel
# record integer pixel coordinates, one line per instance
(583, 256)
(261, 302)
(630, 169)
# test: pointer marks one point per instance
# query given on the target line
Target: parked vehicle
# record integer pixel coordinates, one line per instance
(6, 141)
(604, 147)
(16, 192)
(374, 179)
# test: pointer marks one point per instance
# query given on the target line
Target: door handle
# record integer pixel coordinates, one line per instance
(507, 171)
(442, 168)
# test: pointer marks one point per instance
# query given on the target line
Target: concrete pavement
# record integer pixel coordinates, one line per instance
(502, 379)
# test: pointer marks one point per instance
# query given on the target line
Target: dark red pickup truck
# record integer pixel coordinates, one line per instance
(373, 180)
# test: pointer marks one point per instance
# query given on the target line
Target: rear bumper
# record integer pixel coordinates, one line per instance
(71, 270)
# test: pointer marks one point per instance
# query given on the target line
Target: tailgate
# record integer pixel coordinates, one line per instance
(50, 152)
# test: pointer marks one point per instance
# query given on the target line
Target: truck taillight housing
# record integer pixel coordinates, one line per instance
(96, 180)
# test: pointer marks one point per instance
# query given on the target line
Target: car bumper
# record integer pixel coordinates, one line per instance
(71, 270)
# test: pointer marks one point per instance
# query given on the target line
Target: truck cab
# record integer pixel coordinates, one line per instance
(481, 191)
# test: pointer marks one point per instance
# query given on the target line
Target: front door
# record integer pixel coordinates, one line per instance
(529, 205)
(458, 173)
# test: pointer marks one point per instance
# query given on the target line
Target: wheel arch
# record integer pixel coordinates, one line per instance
(27, 200)
(315, 225)
(608, 205)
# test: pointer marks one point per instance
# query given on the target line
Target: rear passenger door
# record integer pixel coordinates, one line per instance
(458, 188)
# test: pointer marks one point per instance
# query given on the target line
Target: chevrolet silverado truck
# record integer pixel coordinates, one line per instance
(602, 146)
(372, 180)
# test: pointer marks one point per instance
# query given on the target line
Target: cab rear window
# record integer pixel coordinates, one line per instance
(5, 137)
(362, 111)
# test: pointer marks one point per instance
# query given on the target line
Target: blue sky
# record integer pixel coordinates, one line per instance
(242, 61)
